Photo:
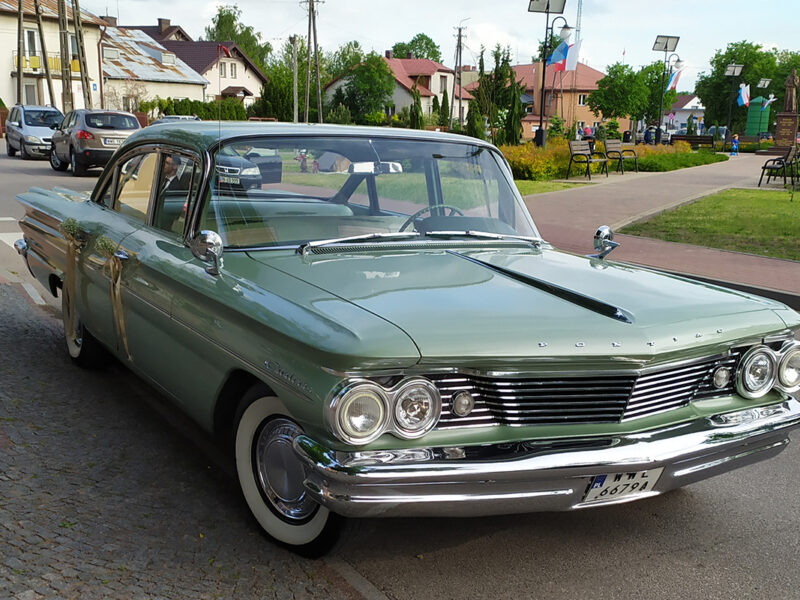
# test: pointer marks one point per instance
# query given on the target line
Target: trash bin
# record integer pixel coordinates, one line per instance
(626, 137)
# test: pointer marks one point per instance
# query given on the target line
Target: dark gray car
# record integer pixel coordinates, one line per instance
(88, 138)
(28, 130)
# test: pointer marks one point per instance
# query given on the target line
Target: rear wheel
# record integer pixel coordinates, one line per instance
(83, 347)
(78, 170)
(271, 477)
(9, 150)
(55, 162)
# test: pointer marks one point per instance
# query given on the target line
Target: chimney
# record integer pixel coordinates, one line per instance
(389, 54)
(163, 25)
(110, 20)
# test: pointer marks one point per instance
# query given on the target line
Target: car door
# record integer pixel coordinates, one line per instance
(12, 128)
(152, 255)
(59, 136)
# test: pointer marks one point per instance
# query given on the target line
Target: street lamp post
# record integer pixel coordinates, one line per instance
(733, 71)
(548, 7)
(762, 84)
(665, 44)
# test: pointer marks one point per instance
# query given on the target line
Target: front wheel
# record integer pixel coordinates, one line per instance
(271, 477)
(55, 162)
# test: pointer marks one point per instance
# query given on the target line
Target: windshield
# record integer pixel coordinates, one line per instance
(284, 191)
(111, 121)
(42, 118)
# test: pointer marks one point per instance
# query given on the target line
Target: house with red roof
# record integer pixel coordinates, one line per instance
(566, 94)
(429, 77)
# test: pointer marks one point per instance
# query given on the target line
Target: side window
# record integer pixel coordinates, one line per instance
(135, 183)
(177, 185)
(14, 114)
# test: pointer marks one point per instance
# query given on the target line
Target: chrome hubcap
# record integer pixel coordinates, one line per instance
(279, 472)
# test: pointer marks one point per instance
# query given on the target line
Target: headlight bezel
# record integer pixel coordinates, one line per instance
(389, 396)
(747, 359)
(789, 349)
(32, 139)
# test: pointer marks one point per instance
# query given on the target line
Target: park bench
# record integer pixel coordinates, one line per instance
(615, 151)
(695, 140)
(581, 153)
(775, 166)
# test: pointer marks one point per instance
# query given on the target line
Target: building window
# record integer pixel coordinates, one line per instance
(595, 125)
(222, 69)
(233, 70)
(110, 53)
(582, 99)
(442, 83)
(581, 126)
(167, 58)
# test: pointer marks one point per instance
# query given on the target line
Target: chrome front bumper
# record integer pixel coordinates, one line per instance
(537, 476)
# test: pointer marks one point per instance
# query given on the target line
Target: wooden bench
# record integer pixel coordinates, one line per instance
(581, 153)
(776, 166)
(616, 151)
(695, 140)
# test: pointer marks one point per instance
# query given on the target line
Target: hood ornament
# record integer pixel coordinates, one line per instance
(603, 242)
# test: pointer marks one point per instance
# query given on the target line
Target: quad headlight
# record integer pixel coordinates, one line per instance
(789, 367)
(757, 372)
(362, 411)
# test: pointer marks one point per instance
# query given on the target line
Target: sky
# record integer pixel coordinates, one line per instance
(608, 27)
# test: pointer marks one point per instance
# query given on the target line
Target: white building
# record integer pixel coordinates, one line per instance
(35, 90)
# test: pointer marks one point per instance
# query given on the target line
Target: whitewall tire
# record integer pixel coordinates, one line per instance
(271, 477)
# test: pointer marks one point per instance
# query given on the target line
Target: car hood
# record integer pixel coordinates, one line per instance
(40, 132)
(517, 304)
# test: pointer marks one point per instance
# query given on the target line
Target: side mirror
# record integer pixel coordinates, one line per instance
(603, 241)
(14, 123)
(207, 246)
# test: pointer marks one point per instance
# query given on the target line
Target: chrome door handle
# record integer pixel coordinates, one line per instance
(122, 255)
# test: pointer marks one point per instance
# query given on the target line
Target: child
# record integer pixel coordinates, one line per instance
(735, 145)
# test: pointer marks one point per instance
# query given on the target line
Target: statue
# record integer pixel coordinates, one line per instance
(790, 99)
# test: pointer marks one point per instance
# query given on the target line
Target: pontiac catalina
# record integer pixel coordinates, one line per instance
(388, 334)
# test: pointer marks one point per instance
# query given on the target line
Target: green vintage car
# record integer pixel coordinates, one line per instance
(379, 329)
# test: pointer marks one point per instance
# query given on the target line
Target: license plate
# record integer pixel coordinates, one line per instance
(112, 141)
(618, 485)
(228, 179)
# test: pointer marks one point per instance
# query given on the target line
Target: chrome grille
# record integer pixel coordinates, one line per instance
(580, 400)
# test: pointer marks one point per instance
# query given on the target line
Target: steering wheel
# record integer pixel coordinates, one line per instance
(454, 210)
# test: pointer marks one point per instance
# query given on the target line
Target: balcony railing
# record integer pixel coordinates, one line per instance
(33, 63)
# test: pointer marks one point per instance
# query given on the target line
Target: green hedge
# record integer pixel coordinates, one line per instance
(672, 162)
(230, 109)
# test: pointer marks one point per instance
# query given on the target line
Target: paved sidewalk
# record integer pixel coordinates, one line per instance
(569, 218)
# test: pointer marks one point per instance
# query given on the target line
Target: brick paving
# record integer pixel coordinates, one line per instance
(101, 497)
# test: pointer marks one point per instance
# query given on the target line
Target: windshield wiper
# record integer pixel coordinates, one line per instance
(398, 235)
(486, 235)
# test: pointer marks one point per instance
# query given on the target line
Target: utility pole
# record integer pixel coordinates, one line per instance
(458, 77)
(84, 69)
(20, 50)
(45, 60)
(308, 59)
(66, 75)
(293, 40)
(316, 61)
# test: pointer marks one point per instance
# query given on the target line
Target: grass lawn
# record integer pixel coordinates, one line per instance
(526, 187)
(755, 221)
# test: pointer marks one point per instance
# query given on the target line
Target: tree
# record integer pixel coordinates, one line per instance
(654, 81)
(556, 128)
(474, 123)
(339, 114)
(621, 93)
(435, 106)
(348, 56)
(492, 95)
(226, 27)
(369, 87)
(421, 46)
(718, 92)
(444, 111)
(416, 118)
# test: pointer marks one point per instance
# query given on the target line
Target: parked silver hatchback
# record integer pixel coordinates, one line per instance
(28, 130)
(88, 138)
